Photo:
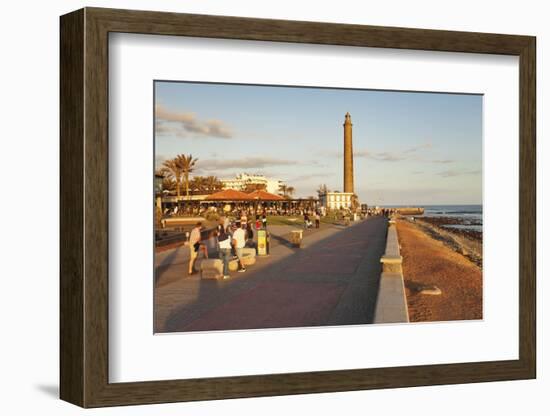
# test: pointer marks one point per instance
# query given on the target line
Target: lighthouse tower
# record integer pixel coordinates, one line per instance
(334, 200)
(348, 155)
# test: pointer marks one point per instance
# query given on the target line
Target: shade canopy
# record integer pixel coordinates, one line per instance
(265, 196)
(229, 195)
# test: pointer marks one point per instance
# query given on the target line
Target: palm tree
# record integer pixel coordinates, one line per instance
(251, 187)
(172, 171)
(283, 189)
(212, 184)
(168, 184)
(290, 190)
(186, 164)
(198, 184)
(323, 189)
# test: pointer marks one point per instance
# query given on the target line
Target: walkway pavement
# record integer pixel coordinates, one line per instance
(331, 280)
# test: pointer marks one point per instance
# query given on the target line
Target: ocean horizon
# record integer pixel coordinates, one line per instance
(471, 215)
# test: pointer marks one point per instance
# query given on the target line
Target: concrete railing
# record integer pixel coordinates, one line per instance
(391, 304)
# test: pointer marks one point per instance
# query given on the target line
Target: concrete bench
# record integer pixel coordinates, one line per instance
(249, 258)
(209, 268)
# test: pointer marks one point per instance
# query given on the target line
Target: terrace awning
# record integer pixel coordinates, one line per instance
(265, 196)
(229, 195)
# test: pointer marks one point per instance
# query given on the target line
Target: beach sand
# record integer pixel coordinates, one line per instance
(430, 263)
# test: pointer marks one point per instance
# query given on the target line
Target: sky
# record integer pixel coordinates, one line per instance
(410, 148)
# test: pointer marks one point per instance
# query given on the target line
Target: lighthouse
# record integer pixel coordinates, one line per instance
(348, 155)
(335, 200)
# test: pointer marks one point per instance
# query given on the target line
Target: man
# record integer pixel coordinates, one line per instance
(224, 249)
(194, 245)
(239, 241)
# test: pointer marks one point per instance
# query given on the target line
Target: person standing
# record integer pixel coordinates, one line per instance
(250, 237)
(239, 241)
(264, 221)
(244, 218)
(224, 249)
(194, 245)
(317, 219)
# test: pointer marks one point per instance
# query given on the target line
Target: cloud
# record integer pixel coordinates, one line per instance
(410, 153)
(415, 149)
(441, 161)
(380, 156)
(169, 129)
(179, 123)
(302, 178)
(244, 163)
(454, 172)
(162, 113)
(159, 160)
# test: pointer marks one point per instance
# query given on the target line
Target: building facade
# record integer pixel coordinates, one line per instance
(241, 181)
(336, 200)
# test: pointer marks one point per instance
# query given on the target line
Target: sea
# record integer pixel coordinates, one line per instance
(470, 216)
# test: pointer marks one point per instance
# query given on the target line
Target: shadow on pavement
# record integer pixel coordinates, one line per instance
(355, 305)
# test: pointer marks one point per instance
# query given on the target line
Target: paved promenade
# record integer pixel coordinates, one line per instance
(331, 280)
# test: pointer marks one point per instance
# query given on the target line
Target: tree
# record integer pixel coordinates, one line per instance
(286, 190)
(198, 184)
(251, 187)
(168, 184)
(172, 171)
(322, 190)
(212, 184)
(186, 164)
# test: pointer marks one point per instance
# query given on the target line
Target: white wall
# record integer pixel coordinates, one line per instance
(29, 256)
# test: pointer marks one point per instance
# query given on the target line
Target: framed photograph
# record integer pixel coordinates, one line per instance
(254, 207)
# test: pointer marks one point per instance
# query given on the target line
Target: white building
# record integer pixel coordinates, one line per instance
(336, 200)
(242, 180)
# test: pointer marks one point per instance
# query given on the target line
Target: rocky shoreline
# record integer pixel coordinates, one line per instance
(467, 242)
(441, 222)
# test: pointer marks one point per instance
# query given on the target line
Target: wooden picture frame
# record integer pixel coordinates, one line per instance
(84, 207)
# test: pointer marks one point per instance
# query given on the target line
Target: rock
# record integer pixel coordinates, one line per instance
(430, 290)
